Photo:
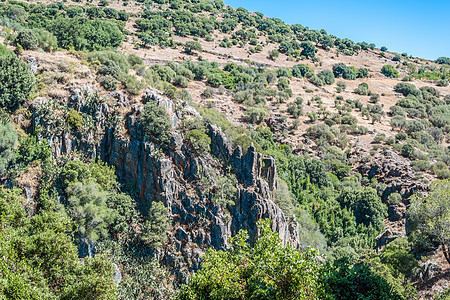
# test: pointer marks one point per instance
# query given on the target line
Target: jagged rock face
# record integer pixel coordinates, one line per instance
(387, 237)
(170, 177)
(393, 170)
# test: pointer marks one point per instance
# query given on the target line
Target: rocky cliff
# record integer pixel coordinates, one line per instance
(170, 176)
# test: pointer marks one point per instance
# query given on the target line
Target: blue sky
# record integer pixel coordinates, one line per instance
(419, 28)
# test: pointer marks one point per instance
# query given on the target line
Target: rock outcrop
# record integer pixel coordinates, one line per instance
(170, 176)
(393, 170)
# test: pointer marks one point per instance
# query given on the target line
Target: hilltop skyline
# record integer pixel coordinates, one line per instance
(402, 26)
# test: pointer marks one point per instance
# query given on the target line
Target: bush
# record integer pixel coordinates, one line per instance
(316, 80)
(46, 40)
(405, 88)
(109, 55)
(208, 92)
(442, 82)
(256, 114)
(394, 199)
(308, 49)
(8, 142)
(363, 73)
(443, 60)
(27, 39)
(32, 149)
(273, 54)
(181, 81)
(156, 225)
(156, 124)
(87, 207)
(110, 68)
(132, 84)
(134, 60)
(84, 34)
(301, 70)
(344, 281)
(192, 45)
(408, 150)
(16, 81)
(362, 89)
(390, 71)
(326, 76)
(199, 140)
(108, 82)
(74, 119)
(346, 72)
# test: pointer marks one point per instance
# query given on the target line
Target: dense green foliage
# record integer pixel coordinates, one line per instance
(40, 261)
(8, 141)
(16, 81)
(268, 270)
(431, 214)
(156, 123)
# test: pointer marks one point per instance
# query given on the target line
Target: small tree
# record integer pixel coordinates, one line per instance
(156, 225)
(16, 81)
(156, 123)
(273, 54)
(8, 141)
(308, 49)
(27, 39)
(88, 208)
(430, 214)
(390, 71)
(192, 45)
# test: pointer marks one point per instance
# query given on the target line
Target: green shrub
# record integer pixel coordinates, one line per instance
(301, 70)
(192, 45)
(8, 142)
(390, 71)
(199, 140)
(74, 119)
(363, 73)
(132, 84)
(180, 81)
(256, 114)
(87, 207)
(156, 124)
(326, 76)
(156, 225)
(109, 55)
(316, 80)
(31, 149)
(309, 50)
(346, 72)
(207, 93)
(27, 39)
(408, 150)
(134, 60)
(362, 89)
(273, 54)
(16, 81)
(110, 68)
(108, 82)
(442, 82)
(394, 199)
(84, 34)
(40, 259)
(222, 272)
(46, 40)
